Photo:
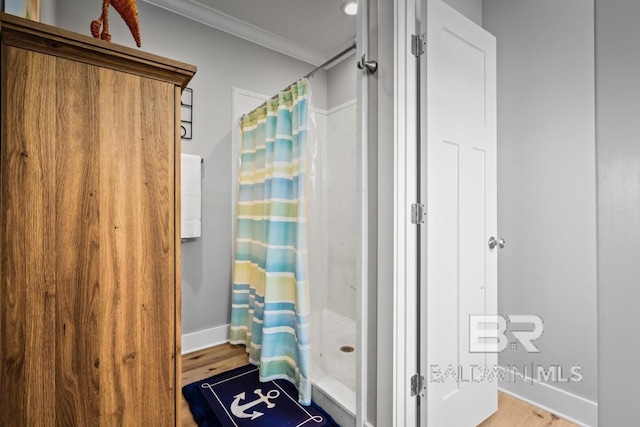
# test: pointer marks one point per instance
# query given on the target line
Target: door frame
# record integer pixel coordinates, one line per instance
(364, 310)
(405, 262)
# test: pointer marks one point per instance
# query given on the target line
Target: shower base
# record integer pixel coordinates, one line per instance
(334, 378)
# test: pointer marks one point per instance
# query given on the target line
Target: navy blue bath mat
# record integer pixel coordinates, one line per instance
(237, 399)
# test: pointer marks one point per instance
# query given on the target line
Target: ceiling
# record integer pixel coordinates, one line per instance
(310, 30)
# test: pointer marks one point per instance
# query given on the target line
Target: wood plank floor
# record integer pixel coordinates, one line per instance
(212, 361)
(516, 413)
(206, 363)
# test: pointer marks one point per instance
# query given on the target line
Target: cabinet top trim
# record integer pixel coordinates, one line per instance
(51, 40)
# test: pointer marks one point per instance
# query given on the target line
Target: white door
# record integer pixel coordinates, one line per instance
(458, 270)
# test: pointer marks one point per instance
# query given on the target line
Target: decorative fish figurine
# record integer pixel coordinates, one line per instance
(129, 13)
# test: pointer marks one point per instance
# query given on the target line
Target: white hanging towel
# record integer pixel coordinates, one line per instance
(191, 186)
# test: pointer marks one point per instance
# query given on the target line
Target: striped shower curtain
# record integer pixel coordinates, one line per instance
(270, 300)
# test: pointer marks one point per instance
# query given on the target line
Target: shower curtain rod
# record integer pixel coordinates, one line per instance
(312, 72)
(338, 56)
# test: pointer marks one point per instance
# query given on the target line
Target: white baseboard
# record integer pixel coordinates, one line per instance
(571, 407)
(203, 339)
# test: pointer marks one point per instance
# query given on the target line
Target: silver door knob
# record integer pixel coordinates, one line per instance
(493, 242)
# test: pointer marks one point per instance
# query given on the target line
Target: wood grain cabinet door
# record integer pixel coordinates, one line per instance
(88, 295)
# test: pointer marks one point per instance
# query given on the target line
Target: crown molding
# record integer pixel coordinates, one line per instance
(213, 18)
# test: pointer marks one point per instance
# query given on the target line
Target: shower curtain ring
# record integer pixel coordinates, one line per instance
(371, 66)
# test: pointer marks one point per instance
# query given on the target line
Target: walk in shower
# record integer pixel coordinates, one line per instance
(332, 226)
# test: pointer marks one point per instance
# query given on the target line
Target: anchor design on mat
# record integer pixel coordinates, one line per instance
(239, 410)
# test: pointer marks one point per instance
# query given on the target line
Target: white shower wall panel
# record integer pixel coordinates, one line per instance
(317, 235)
(342, 225)
(318, 215)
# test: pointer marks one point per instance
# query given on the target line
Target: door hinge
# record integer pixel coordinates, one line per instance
(418, 43)
(418, 212)
(418, 386)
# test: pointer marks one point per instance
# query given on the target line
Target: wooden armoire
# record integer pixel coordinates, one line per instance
(90, 218)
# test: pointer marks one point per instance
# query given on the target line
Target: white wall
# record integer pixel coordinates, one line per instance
(547, 188)
(223, 61)
(341, 82)
(472, 9)
(618, 106)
